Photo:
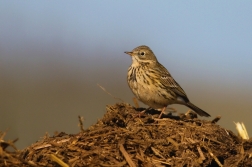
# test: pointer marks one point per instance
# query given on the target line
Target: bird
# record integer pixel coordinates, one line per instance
(152, 83)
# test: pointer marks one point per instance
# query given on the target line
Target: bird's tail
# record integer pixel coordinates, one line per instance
(197, 109)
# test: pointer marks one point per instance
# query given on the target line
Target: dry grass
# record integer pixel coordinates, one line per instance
(121, 139)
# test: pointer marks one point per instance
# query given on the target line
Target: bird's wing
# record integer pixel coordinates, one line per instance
(168, 81)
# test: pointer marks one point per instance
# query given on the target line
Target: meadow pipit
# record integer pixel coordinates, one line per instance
(152, 84)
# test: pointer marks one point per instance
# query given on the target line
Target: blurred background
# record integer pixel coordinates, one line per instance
(54, 53)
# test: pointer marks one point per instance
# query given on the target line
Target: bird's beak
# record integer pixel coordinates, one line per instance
(129, 53)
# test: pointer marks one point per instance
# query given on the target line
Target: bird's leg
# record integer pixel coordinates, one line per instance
(163, 110)
(142, 112)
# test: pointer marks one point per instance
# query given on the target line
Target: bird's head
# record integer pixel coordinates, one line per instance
(142, 54)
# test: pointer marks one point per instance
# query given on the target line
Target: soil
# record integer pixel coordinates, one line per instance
(123, 138)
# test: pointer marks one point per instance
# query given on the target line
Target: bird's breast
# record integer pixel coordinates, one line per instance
(146, 88)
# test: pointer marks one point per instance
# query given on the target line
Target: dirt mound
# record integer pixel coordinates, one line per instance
(121, 139)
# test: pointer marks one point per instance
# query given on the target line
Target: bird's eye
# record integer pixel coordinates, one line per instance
(142, 53)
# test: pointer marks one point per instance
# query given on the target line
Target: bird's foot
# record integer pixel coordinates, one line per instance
(163, 110)
(141, 113)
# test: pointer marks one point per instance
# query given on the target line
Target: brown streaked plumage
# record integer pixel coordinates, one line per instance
(152, 84)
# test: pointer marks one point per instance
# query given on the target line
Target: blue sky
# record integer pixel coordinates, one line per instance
(214, 33)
